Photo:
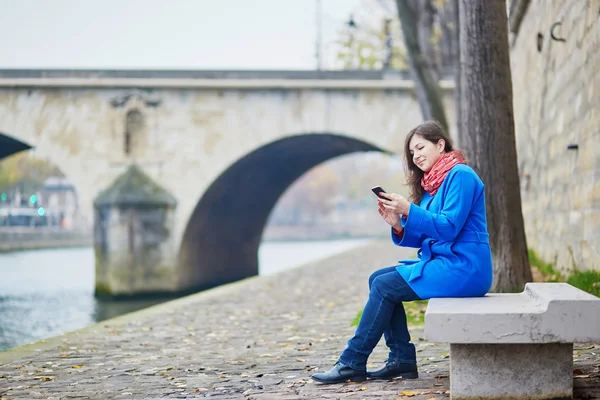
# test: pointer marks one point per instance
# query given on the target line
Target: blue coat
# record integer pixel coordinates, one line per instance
(450, 228)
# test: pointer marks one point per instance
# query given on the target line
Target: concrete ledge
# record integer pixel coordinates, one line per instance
(542, 313)
(41, 238)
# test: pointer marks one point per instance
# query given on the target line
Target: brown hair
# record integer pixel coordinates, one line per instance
(432, 131)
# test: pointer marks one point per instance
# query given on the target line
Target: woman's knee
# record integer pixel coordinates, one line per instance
(379, 286)
(378, 273)
(372, 278)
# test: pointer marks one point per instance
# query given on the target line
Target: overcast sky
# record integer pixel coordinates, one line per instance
(198, 34)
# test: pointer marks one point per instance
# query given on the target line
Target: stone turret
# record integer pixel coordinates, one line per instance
(133, 243)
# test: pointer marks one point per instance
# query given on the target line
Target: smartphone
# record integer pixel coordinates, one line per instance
(377, 190)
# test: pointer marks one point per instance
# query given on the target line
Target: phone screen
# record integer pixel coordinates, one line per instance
(377, 190)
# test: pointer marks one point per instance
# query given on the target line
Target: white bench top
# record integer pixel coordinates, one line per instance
(542, 313)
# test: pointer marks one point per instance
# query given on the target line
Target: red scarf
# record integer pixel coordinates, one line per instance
(433, 179)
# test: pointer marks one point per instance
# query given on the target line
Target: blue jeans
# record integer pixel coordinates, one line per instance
(383, 315)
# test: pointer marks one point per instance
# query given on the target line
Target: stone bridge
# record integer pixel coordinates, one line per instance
(224, 145)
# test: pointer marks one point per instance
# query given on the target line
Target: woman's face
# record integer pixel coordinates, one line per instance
(425, 153)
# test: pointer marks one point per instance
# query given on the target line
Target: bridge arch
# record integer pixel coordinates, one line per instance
(53, 194)
(9, 145)
(221, 240)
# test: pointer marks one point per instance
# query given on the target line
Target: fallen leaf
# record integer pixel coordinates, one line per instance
(407, 393)
(77, 366)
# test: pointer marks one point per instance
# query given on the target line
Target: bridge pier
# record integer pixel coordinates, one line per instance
(133, 241)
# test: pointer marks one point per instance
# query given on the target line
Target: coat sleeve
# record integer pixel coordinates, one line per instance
(410, 238)
(457, 203)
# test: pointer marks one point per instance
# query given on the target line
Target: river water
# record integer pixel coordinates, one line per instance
(44, 293)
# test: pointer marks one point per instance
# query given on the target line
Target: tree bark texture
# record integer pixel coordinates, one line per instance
(427, 87)
(486, 110)
(460, 129)
(450, 46)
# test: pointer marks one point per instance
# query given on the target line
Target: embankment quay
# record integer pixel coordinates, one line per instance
(259, 338)
(26, 238)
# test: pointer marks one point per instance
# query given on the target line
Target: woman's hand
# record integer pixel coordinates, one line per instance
(395, 203)
(389, 216)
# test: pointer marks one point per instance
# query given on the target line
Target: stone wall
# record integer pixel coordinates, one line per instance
(13, 239)
(556, 86)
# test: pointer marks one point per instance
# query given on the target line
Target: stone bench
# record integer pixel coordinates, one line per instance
(514, 346)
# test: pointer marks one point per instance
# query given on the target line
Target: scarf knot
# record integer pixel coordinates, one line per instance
(432, 180)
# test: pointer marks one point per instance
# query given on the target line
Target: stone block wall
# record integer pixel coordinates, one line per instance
(556, 89)
(26, 238)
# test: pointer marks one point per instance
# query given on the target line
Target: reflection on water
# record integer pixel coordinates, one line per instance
(47, 292)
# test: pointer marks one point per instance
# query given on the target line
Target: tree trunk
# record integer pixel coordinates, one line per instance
(461, 131)
(425, 11)
(427, 87)
(487, 115)
(447, 12)
(450, 45)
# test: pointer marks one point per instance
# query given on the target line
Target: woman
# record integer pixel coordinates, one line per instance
(446, 219)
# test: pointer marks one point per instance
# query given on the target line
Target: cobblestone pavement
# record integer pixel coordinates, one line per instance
(256, 339)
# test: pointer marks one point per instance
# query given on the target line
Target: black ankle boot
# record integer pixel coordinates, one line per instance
(340, 373)
(394, 370)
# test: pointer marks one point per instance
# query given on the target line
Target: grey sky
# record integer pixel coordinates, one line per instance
(200, 34)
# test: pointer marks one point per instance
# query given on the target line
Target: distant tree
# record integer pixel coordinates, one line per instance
(26, 172)
(362, 43)
(417, 19)
(424, 41)
(487, 116)
(310, 197)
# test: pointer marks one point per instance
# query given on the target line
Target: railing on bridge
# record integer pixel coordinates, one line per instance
(210, 74)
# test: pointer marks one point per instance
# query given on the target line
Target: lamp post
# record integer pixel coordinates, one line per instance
(351, 28)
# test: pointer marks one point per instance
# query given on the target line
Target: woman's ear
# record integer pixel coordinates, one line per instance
(441, 145)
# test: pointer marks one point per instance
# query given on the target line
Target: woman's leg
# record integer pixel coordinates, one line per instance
(387, 291)
(397, 337)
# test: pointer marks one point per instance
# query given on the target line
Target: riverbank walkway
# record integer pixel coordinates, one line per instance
(260, 339)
